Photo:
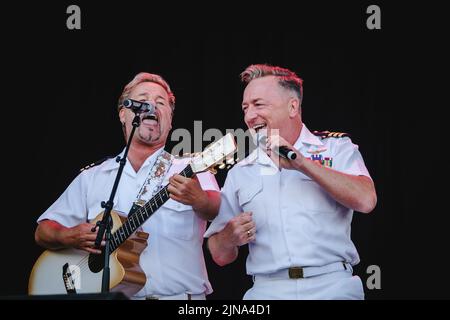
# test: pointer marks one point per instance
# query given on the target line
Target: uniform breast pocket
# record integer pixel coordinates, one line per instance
(314, 198)
(178, 220)
(251, 199)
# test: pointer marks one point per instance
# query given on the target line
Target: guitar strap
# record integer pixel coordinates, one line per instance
(154, 180)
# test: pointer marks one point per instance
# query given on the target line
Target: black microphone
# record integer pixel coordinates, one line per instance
(287, 153)
(138, 106)
(282, 151)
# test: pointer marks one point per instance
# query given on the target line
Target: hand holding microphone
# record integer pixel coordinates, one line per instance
(282, 151)
(288, 157)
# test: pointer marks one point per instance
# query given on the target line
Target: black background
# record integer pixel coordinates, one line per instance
(382, 86)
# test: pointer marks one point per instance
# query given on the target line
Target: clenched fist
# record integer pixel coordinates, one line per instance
(240, 230)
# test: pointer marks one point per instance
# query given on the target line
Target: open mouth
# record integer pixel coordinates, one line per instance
(259, 126)
(150, 119)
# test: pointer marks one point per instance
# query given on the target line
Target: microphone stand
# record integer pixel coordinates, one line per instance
(104, 226)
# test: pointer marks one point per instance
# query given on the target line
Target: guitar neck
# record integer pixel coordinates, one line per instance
(137, 218)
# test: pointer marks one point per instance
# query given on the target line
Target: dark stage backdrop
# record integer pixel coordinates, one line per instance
(63, 86)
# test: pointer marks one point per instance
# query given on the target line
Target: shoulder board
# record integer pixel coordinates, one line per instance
(328, 134)
(96, 163)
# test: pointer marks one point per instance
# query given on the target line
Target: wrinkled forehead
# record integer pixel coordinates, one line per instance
(149, 90)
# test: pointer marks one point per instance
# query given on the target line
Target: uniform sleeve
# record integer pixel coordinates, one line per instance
(229, 207)
(208, 181)
(71, 207)
(348, 159)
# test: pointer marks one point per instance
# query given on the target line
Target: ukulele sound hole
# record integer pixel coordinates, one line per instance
(96, 262)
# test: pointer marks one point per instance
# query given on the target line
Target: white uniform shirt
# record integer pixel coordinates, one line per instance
(297, 222)
(173, 260)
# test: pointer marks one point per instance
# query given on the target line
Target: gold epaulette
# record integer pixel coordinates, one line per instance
(328, 134)
(96, 163)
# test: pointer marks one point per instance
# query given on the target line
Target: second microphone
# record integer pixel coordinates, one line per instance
(282, 151)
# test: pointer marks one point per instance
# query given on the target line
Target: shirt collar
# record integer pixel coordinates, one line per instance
(306, 137)
(112, 164)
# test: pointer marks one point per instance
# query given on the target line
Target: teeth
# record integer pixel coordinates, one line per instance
(259, 126)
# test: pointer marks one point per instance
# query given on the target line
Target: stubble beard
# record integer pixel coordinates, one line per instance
(149, 136)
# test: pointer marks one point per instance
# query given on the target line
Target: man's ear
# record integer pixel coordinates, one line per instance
(122, 116)
(294, 107)
(171, 120)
